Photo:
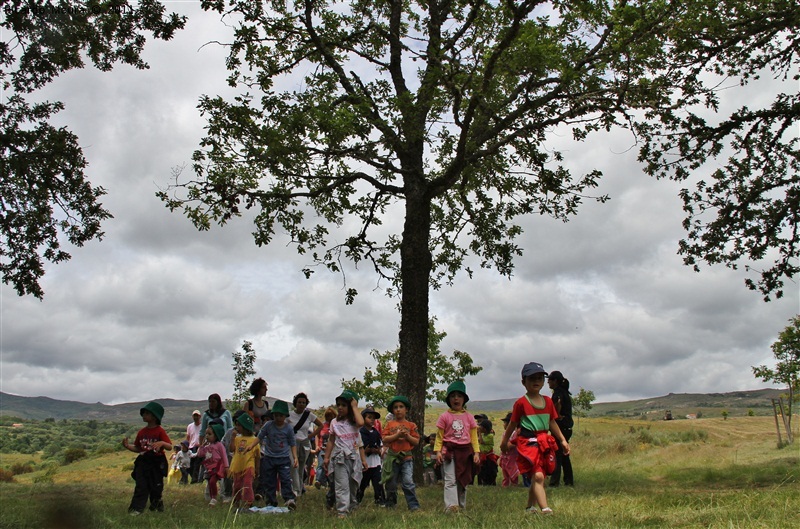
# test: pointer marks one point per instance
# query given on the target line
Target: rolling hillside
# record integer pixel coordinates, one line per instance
(177, 411)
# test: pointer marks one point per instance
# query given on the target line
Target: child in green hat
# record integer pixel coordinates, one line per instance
(245, 462)
(400, 436)
(456, 447)
(151, 466)
(344, 453)
(280, 456)
(214, 457)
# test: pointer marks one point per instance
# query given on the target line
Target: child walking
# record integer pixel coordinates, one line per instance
(488, 464)
(508, 460)
(344, 454)
(280, 456)
(456, 447)
(185, 462)
(214, 457)
(535, 414)
(401, 436)
(245, 462)
(150, 467)
(371, 438)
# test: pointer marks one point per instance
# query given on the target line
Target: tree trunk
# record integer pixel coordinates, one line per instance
(415, 270)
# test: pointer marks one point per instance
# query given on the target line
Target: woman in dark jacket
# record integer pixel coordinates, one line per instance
(563, 404)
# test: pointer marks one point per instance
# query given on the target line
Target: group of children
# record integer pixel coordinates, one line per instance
(358, 451)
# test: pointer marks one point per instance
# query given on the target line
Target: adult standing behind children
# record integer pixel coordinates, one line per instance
(193, 437)
(301, 418)
(535, 414)
(258, 406)
(150, 467)
(563, 404)
(215, 411)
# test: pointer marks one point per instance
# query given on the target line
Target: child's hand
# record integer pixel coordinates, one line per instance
(125, 443)
(476, 458)
(504, 447)
(326, 461)
(565, 447)
(295, 464)
(439, 458)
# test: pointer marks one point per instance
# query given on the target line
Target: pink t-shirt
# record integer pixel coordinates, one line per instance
(346, 434)
(456, 427)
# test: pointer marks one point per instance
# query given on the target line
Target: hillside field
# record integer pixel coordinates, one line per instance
(710, 472)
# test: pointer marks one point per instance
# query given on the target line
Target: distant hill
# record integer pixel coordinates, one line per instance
(179, 411)
(680, 404)
(40, 408)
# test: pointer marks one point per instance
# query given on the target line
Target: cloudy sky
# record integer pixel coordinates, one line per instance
(156, 308)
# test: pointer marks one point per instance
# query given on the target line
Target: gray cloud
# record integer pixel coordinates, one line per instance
(157, 308)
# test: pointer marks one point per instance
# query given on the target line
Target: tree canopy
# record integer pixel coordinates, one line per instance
(351, 110)
(45, 194)
(377, 386)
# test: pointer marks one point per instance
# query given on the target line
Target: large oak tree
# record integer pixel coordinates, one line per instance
(350, 109)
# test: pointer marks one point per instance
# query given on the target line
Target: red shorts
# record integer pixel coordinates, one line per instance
(528, 460)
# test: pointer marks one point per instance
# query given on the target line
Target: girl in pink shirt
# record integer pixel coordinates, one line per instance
(456, 447)
(215, 458)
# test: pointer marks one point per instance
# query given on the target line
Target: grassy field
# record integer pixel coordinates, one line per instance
(711, 473)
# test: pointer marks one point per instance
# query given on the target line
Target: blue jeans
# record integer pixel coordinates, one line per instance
(405, 471)
(280, 467)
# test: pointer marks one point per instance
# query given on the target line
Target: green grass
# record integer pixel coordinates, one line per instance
(681, 474)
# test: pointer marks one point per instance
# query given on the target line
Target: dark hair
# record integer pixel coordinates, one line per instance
(351, 415)
(237, 414)
(565, 384)
(256, 385)
(299, 396)
(215, 396)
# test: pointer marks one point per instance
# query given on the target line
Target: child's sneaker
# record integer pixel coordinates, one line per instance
(532, 510)
(213, 502)
(547, 511)
(291, 505)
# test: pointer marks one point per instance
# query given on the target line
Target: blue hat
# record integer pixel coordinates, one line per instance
(531, 368)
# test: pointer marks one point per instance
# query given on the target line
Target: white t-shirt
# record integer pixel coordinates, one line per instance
(302, 433)
(193, 434)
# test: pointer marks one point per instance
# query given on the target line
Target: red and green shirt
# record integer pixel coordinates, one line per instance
(531, 418)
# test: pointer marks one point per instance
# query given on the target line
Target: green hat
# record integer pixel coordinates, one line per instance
(155, 408)
(246, 421)
(219, 431)
(459, 386)
(280, 407)
(398, 398)
(348, 395)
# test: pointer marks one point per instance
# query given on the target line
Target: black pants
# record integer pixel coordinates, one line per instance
(148, 473)
(196, 469)
(488, 473)
(372, 475)
(562, 462)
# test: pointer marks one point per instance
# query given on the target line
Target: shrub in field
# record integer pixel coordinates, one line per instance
(6, 476)
(73, 454)
(22, 468)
